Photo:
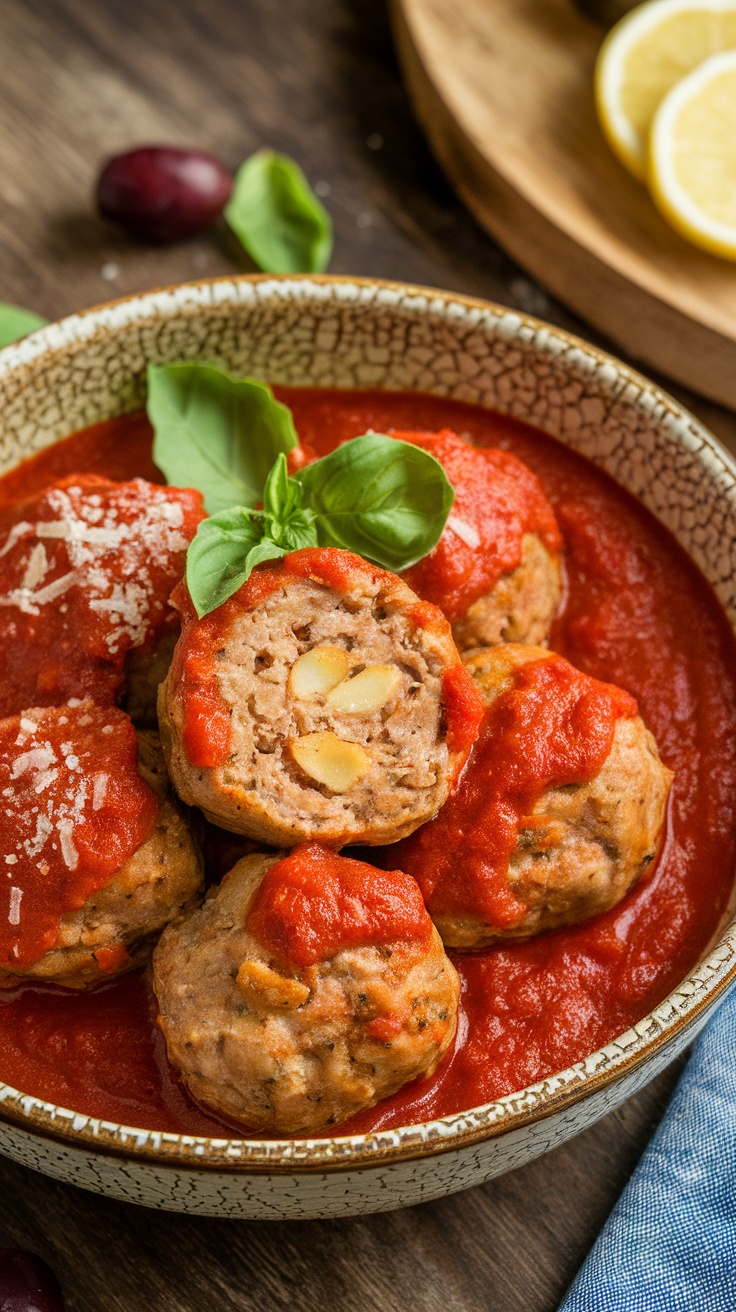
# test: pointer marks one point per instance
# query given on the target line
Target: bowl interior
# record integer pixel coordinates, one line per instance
(347, 333)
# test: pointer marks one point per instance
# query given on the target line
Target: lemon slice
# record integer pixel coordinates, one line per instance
(644, 55)
(693, 156)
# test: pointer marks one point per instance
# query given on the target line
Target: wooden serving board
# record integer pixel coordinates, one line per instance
(504, 89)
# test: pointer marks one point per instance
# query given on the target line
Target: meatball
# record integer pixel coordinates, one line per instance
(560, 809)
(86, 570)
(322, 701)
(496, 570)
(307, 988)
(97, 853)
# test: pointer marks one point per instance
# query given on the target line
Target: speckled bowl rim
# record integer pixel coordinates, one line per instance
(684, 1008)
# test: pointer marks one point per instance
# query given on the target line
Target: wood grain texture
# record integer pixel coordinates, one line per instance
(83, 78)
(505, 91)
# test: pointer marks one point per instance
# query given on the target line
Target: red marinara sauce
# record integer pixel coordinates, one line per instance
(553, 726)
(86, 569)
(314, 903)
(206, 718)
(637, 613)
(497, 501)
(74, 810)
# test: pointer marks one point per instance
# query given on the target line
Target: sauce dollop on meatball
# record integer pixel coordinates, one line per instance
(95, 855)
(560, 808)
(307, 988)
(323, 701)
(496, 570)
(86, 569)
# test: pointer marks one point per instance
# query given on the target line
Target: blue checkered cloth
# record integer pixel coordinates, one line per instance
(670, 1243)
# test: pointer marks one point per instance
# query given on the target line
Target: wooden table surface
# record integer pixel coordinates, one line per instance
(80, 79)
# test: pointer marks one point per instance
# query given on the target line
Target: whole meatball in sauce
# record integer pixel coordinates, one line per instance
(560, 810)
(86, 570)
(97, 856)
(496, 570)
(323, 701)
(307, 988)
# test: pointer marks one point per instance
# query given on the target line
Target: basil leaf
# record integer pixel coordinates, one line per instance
(277, 217)
(384, 499)
(280, 491)
(286, 518)
(217, 554)
(216, 433)
(15, 323)
(227, 547)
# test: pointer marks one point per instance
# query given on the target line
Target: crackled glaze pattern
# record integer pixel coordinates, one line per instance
(337, 332)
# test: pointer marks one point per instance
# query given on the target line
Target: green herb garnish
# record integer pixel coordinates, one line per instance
(277, 217)
(228, 546)
(384, 499)
(216, 433)
(16, 323)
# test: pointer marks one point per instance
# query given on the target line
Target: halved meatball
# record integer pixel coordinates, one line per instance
(97, 853)
(86, 571)
(306, 989)
(560, 809)
(496, 570)
(323, 700)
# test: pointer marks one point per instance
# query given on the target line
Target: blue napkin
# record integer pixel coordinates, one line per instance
(669, 1244)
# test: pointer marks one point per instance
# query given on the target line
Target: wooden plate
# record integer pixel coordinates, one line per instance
(504, 89)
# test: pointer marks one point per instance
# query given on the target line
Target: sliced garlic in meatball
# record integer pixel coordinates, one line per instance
(496, 570)
(322, 701)
(560, 809)
(96, 854)
(307, 988)
(86, 571)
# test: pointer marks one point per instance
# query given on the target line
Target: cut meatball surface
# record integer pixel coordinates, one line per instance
(560, 809)
(86, 571)
(306, 989)
(323, 700)
(496, 570)
(97, 854)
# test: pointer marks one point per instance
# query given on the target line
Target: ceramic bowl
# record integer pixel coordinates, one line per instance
(352, 333)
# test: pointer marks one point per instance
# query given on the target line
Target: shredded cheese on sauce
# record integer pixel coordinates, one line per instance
(113, 545)
(73, 809)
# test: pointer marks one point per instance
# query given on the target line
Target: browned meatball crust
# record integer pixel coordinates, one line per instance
(495, 571)
(590, 842)
(117, 926)
(560, 809)
(521, 606)
(293, 1049)
(341, 699)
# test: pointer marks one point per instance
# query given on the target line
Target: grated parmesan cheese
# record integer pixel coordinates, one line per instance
(466, 532)
(116, 546)
(16, 895)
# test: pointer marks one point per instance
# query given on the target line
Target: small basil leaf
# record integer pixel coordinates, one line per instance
(300, 531)
(277, 494)
(287, 521)
(277, 217)
(216, 559)
(263, 550)
(216, 433)
(381, 498)
(15, 323)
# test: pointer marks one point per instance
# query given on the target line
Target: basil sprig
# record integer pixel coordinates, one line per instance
(384, 499)
(228, 546)
(216, 433)
(277, 217)
(16, 323)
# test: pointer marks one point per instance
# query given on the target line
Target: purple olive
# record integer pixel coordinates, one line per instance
(163, 194)
(27, 1283)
